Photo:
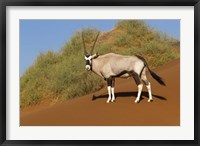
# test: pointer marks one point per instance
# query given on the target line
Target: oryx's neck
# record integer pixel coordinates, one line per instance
(96, 66)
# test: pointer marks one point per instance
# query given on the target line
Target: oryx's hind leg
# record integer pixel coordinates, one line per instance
(109, 84)
(147, 83)
(112, 90)
(140, 86)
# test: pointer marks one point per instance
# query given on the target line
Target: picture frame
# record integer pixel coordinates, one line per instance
(3, 61)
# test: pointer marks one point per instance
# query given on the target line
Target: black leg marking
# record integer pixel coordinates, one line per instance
(109, 82)
(113, 83)
(145, 82)
(136, 78)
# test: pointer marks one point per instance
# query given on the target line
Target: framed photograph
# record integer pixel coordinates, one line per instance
(99, 72)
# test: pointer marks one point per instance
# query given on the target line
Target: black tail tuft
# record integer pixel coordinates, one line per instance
(157, 78)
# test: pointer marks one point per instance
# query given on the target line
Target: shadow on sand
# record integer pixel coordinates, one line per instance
(129, 94)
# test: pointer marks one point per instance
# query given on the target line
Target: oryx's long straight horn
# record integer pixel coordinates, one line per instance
(94, 43)
(84, 49)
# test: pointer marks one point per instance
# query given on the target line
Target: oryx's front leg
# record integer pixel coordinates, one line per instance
(112, 90)
(109, 83)
(111, 94)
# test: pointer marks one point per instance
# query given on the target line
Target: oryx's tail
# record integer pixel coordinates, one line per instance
(156, 77)
(153, 74)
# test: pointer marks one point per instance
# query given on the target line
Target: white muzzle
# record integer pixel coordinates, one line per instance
(87, 67)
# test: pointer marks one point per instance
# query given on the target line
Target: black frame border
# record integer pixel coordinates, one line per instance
(5, 3)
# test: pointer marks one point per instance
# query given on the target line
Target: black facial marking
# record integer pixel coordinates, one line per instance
(87, 62)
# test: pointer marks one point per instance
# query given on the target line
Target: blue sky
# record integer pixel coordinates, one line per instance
(38, 36)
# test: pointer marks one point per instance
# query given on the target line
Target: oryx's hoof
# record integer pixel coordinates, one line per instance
(136, 101)
(150, 100)
(113, 100)
(107, 101)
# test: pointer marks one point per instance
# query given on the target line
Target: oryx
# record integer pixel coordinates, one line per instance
(110, 66)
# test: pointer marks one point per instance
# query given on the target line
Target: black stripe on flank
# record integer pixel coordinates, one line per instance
(121, 73)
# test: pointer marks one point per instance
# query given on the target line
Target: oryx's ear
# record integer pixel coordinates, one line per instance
(94, 56)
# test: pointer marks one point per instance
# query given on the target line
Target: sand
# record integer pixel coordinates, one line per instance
(92, 109)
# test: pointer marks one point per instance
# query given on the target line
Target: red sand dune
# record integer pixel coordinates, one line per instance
(92, 109)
